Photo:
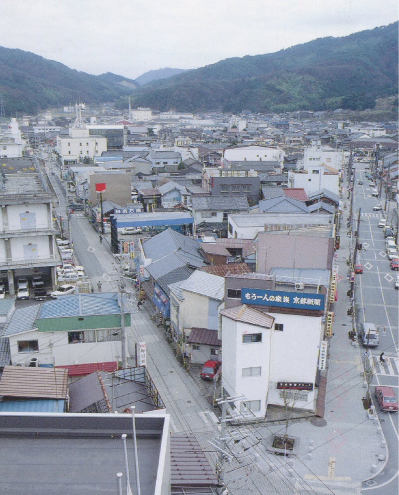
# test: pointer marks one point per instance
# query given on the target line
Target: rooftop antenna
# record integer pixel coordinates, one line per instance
(79, 124)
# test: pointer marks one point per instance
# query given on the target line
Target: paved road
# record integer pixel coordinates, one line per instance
(377, 302)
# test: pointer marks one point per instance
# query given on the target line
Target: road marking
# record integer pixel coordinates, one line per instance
(202, 415)
(172, 425)
(368, 266)
(213, 416)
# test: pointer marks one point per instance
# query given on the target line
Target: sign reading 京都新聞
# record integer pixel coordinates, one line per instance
(282, 299)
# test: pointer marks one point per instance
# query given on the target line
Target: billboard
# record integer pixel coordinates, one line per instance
(296, 300)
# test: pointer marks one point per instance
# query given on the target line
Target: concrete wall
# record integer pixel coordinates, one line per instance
(285, 251)
(117, 188)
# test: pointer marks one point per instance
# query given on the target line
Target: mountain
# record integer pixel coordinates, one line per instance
(29, 83)
(156, 75)
(327, 73)
(124, 82)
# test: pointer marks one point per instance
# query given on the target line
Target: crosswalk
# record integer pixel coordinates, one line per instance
(388, 368)
(372, 215)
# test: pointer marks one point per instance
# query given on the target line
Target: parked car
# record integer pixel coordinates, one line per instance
(375, 193)
(382, 222)
(130, 231)
(397, 282)
(65, 250)
(372, 183)
(2, 290)
(40, 294)
(360, 182)
(209, 369)
(388, 233)
(369, 335)
(23, 293)
(377, 208)
(386, 398)
(22, 283)
(392, 253)
(358, 268)
(395, 264)
(37, 281)
(68, 277)
(64, 290)
(62, 242)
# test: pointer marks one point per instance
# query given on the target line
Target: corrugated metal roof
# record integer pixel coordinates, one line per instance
(175, 290)
(204, 336)
(80, 304)
(178, 275)
(86, 392)
(49, 383)
(6, 305)
(188, 464)
(297, 193)
(205, 284)
(86, 369)
(5, 354)
(40, 406)
(282, 204)
(211, 248)
(229, 269)
(22, 320)
(249, 315)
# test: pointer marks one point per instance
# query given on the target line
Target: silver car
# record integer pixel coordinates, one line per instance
(369, 335)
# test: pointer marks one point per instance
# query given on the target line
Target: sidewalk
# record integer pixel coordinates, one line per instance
(341, 449)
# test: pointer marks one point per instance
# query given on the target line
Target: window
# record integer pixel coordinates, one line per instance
(196, 347)
(214, 352)
(251, 337)
(213, 213)
(279, 327)
(315, 171)
(234, 293)
(235, 188)
(230, 228)
(254, 371)
(250, 405)
(28, 346)
(224, 188)
(76, 337)
(225, 215)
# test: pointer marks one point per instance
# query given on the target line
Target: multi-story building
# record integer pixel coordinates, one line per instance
(27, 230)
(11, 142)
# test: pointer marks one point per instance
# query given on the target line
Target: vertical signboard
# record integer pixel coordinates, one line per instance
(142, 354)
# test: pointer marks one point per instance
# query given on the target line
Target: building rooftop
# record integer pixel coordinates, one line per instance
(205, 284)
(46, 383)
(81, 453)
(245, 314)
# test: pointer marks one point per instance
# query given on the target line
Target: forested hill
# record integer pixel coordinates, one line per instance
(29, 83)
(327, 73)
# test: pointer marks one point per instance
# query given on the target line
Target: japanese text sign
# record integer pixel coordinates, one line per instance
(283, 299)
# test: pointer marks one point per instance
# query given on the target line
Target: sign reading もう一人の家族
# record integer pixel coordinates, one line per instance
(282, 299)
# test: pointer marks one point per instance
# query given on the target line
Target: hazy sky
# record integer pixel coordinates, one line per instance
(130, 37)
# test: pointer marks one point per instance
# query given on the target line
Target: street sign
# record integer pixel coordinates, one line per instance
(352, 279)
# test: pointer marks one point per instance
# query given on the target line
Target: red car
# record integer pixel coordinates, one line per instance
(386, 399)
(358, 268)
(209, 369)
(395, 264)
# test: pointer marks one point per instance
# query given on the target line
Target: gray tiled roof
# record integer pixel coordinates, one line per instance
(270, 192)
(168, 242)
(282, 204)
(5, 354)
(205, 284)
(179, 275)
(324, 192)
(220, 203)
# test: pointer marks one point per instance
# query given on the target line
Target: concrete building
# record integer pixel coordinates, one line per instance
(271, 348)
(247, 226)
(11, 142)
(27, 230)
(315, 178)
(140, 114)
(254, 153)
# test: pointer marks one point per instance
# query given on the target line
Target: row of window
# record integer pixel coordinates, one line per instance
(104, 335)
(257, 337)
(225, 188)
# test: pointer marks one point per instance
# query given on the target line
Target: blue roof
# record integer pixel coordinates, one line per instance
(34, 405)
(22, 320)
(80, 304)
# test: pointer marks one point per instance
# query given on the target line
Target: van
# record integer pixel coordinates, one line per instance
(382, 222)
(369, 335)
(390, 244)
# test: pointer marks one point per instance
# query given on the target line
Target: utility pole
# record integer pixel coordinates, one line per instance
(123, 329)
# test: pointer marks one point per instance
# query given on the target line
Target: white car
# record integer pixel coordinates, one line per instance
(130, 231)
(377, 208)
(62, 242)
(392, 253)
(37, 281)
(22, 283)
(382, 222)
(397, 282)
(2, 290)
(68, 277)
(64, 290)
(23, 293)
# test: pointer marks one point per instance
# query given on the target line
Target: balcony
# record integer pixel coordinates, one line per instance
(12, 264)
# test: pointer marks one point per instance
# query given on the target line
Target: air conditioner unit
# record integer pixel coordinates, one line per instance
(34, 362)
(299, 286)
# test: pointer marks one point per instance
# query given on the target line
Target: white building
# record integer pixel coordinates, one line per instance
(271, 358)
(322, 155)
(315, 178)
(11, 142)
(254, 154)
(140, 114)
(80, 144)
